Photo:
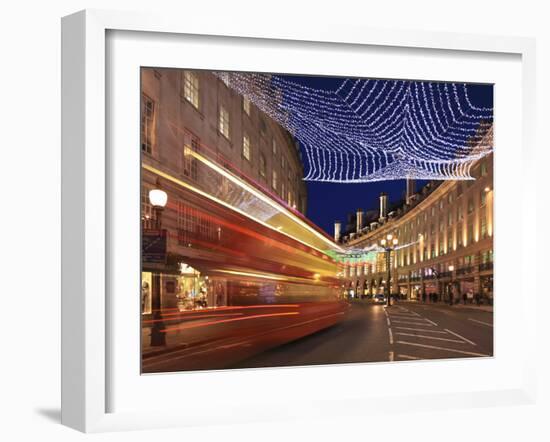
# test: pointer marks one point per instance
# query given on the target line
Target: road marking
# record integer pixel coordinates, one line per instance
(480, 322)
(391, 336)
(390, 356)
(430, 337)
(459, 336)
(469, 353)
(421, 329)
(394, 315)
(431, 322)
(407, 357)
(413, 323)
(388, 321)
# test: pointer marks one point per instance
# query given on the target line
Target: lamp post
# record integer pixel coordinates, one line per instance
(388, 243)
(451, 269)
(158, 199)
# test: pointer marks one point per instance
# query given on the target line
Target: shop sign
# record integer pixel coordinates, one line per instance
(153, 246)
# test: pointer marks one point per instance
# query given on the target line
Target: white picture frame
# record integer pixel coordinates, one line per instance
(86, 315)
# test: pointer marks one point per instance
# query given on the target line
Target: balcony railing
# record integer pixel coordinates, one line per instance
(465, 270)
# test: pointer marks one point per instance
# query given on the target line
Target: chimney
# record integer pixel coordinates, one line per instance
(337, 231)
(383, 206)
(359, 220)
(411, 185)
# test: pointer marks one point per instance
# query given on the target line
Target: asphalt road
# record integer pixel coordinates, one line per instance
(374, 333)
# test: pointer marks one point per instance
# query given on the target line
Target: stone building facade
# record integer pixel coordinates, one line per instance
(185, 113)
(445, 234)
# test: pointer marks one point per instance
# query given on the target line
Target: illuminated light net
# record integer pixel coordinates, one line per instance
(375, 130)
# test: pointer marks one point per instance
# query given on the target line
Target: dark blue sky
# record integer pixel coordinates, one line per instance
(328, 202)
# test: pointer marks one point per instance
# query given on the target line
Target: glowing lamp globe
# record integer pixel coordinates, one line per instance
(158, 198)
(395, 241)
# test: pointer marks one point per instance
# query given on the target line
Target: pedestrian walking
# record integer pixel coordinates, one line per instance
(464, 297)
(477, 297)
(470, 298)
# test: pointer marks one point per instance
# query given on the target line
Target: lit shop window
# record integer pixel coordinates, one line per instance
(147, 123)
(223, 123)
(246, 147)
(246, 106)
(146, 298)
(191, 88)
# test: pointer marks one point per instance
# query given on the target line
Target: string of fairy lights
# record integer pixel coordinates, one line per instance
(375, 130)
(362, 255)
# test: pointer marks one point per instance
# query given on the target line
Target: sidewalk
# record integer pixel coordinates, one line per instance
(483, 308)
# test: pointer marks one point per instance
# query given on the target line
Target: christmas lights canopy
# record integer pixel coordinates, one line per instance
(375, 130)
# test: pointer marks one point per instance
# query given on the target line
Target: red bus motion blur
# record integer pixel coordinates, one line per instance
(247, 276)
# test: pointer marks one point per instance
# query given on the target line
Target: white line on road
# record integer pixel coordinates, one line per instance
(430, 337)
(390, 356)
(425, 330)
(391, 336)
(413, 323)
(431, 322)
(459, 336)
(407, 357)
(480, 322)
(388, 321)
(470, 353)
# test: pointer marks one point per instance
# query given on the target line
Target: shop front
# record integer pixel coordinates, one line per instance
(486, 284)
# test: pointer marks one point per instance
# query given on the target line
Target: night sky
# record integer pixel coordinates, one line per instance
(328, 202)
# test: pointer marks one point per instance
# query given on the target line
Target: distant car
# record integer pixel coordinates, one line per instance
(379, 299)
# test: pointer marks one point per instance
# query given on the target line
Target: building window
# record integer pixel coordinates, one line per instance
(483, 225)
(470, 205)
(459, 189)
(450, 219)
(192, 224)
(146, 210)
(274, 180)
(246, 106)
(441, 204)
(246, 147)
(459, 236)
(274, 146)
(432, 211)
(450, 198)
(191, 88)
(262, 165)
(190, 163)
(470, 233)
(483, 168)
(283, 189)
(449, 241)
(483, 198)
(283, 162)
(459, 213)
(147, 124)
(223, 123)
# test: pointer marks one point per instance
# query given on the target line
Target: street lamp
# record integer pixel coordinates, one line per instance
(388, 243)
(158, 199)
(451, 269)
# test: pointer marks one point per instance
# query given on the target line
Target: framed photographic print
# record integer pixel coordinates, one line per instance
(257, 218)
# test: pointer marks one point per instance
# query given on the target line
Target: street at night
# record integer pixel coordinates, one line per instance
(408, 331)
(375, 333)
(279, 213)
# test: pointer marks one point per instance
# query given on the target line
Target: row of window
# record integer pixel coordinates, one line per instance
(463, 262)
